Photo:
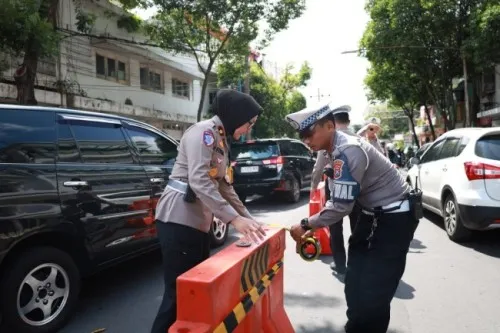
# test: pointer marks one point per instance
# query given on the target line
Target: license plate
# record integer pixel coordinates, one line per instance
(249, 169)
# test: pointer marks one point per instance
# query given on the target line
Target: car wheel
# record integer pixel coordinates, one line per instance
(39, 291)
(453, 225)
(294, 194)
(218, 233)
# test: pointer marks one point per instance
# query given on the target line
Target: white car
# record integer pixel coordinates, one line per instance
(459, 176)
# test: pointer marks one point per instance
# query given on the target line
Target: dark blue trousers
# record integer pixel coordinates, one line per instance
(182, 248)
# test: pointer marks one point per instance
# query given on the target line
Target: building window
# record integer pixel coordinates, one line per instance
(180, 88)
(151, 79)
(110, 69)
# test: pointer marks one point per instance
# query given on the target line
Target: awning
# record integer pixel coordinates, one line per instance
(489, 113)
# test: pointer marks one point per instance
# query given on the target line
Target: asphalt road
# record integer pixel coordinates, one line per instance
(447, 288)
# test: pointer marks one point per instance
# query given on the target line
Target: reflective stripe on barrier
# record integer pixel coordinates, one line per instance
(240, 311)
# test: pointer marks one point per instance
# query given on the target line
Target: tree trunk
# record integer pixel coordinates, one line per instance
(427, 113)
(25, 77)
(25, 74)
(204, 90)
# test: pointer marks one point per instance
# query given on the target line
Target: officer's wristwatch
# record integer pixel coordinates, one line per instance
(304, 224)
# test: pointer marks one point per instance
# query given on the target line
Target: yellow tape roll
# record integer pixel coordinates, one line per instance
(306, 244)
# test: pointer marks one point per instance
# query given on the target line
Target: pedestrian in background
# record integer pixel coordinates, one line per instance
(370, 131)
(198, 189)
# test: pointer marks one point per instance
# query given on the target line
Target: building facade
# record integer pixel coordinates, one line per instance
(115, 70)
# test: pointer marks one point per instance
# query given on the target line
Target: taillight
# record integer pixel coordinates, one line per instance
(475, 171)
(278, 160)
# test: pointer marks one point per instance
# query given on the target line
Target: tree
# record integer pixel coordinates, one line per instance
(211, 29)
(427, 40)
(393, 120)
(29, 29)
(277, 98)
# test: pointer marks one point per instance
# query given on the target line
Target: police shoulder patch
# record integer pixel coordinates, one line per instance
(337, 168)
(345, 187)
(208, 138)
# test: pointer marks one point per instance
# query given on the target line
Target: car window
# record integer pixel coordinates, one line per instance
(463, 143)
(422, 150)
(152, 147)
(67, 150)
(449, 148)
(489, 147)
(255, 151)
(301, 150)
(27, 137)
(101, 142)
(433, 152)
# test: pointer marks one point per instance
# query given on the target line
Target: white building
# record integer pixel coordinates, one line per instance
(113, 72)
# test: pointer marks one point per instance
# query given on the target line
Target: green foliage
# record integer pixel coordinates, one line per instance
(277, 98)
(85, 21)
(25, 26)
(131, 23)
(209, 29)
(415, 48)
(393, 121)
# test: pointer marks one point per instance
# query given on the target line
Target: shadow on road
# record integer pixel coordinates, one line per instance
(486, 242)
(325, 328)
(416, 246)
(404, 291)
(311, 300)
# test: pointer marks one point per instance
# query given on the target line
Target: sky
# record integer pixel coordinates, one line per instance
(319, 36)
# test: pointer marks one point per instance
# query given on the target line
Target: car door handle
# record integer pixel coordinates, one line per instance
(156, 180)
(75, 183)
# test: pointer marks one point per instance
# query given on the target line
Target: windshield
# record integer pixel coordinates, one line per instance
(489, 147)
(255, 151)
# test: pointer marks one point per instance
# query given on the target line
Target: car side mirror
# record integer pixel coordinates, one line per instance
(414, 160)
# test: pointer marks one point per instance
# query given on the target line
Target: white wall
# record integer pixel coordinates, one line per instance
(78, 64)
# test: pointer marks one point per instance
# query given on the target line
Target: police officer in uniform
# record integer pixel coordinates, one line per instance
(199, 188)
(385, 227)
(341, 118)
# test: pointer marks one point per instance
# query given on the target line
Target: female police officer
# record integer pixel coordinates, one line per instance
(390, 211)
(199, 188)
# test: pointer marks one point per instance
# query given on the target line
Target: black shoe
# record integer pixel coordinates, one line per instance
(338, 269)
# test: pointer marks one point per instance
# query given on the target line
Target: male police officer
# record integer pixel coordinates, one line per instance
(385, 228)
(341, 118)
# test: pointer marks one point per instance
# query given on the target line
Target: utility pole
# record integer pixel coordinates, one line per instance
(319, 95)
(466, 92)
(246, 89)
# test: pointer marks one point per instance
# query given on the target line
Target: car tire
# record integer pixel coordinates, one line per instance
(45, 280)
(219, 232)
(293, 195)
(453, 225)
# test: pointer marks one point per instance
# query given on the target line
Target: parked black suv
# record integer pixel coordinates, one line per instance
(77, 193)
(272, 166)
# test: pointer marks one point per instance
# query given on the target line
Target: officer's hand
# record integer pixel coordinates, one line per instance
(296, 231)
(249, 228)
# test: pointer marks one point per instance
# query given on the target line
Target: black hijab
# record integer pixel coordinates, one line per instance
(235, 109)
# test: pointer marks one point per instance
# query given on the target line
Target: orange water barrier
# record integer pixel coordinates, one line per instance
(239, 289)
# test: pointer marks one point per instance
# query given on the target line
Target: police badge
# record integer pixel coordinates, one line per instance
(337, 169)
